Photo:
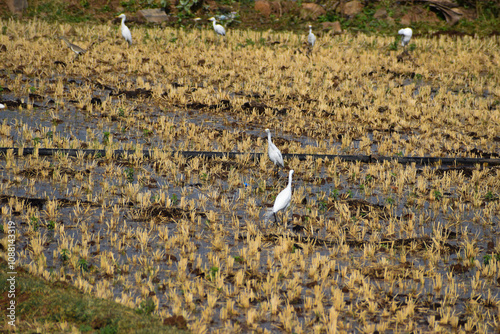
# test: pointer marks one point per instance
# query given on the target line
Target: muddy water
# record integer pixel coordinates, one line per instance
(97, 231)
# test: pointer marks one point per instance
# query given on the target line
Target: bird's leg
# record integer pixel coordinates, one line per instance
(291, 215)
(286, 221)
(275, 218)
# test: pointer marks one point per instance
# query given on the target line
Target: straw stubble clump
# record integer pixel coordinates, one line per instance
(366, 247)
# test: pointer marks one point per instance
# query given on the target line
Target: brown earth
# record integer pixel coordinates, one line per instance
(277, 14)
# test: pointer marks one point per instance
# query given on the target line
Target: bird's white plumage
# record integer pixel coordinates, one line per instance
(217, 27)
(2, 106)
(406, 33)
(284, 197)
(311, 39)
(125, 30)
(273, 152)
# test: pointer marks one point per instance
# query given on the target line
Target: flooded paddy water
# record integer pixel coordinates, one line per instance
(364, 247)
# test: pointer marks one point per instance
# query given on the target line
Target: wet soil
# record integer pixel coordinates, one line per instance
(365, 245)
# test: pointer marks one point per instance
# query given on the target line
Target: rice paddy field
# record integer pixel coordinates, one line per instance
(377, 246)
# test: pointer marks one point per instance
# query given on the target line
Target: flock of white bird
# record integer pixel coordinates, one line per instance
(282, 201)
(284, 198)
(128, 36)
(311, 38)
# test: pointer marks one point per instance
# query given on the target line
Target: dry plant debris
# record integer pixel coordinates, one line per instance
(366, 247)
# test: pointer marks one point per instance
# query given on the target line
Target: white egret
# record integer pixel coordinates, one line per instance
(125, 30)
(273, 152)
(311, 39)
(2, 106)
(284, 198)
(75, 48)
(217, 27)
(406, 33)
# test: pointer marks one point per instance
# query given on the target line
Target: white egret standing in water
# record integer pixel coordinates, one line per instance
(406, 33)
(273, 152)
(284, 197)
(217, 27)
(125, 30)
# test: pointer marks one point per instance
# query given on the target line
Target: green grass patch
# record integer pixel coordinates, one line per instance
(45, 305)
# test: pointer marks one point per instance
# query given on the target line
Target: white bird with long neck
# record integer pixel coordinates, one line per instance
(311, 39)
(406, 33)
(273, 152)
(282, 201)
(217, 27)
(125, 30)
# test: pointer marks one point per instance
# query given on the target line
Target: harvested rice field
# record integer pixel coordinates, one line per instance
(371, 242)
